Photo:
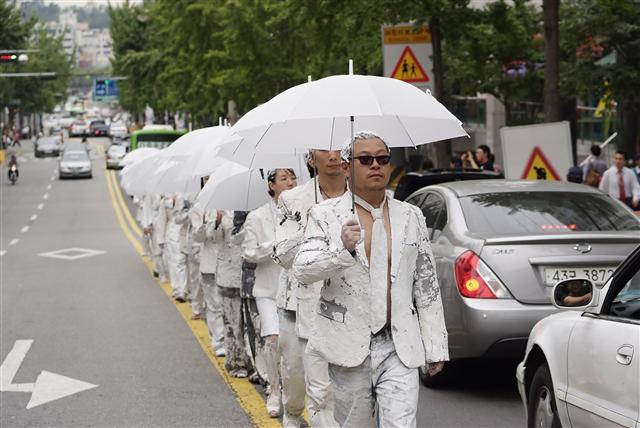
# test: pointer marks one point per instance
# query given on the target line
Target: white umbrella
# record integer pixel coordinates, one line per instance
(137, 155)
(322, 115)
(135, 176)
(192, 156)
(235, 187)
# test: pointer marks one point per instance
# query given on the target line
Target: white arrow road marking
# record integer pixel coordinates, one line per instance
(50, 387)
(47, 387)
(14, 241)
(40, 206)
(11, 365)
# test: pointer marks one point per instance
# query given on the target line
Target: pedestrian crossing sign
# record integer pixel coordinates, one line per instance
(408, 68)
(539, 168)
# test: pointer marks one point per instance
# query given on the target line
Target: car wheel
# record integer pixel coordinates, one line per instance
(542, 410)
(441, 380)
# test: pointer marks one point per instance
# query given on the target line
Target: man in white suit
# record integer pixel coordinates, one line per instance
(303, 372)
(380, 311)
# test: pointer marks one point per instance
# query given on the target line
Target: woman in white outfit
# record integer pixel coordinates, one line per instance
(258, 248)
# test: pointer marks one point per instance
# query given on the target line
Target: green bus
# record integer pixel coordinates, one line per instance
(156, 138)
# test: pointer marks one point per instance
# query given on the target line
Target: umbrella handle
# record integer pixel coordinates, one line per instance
(353, 174)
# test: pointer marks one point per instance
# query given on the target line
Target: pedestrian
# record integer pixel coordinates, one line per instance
(191, 248)
(153, 222)
(620, 182)
(206, 226)
(258, 245)
(483, 158)
(594, 168)
(228, 281)
(176, 234)
(380, 310)
(297, 318)
(636, 169)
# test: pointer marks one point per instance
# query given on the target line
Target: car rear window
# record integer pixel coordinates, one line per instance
(75, 156)
(117, 149)
(544, 213)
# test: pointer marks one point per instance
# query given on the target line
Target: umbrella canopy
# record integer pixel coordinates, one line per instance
(137, 155)
(235, 187)
(135, 176)
(192, 156)
(320, 115)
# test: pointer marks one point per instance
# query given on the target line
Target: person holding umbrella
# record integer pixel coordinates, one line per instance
(380, 310)
(257, 248)
(301, 371)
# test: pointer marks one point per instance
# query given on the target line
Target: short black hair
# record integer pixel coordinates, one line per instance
(486, 149)
(271, 178)
(596, 150)
(620, 152)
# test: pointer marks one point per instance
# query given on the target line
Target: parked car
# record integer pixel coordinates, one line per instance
(114, 155)
(79, 128)
(47, 146)
(74, 163)
(413, 181)
(582, 367)
(501, 245)
(118, 129)
(98, 128)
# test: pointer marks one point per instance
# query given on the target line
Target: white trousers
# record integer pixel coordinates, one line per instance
(177, 269)
(213, 310)
(195, 287)
(382, 386)
(292, 368)
(320, 405)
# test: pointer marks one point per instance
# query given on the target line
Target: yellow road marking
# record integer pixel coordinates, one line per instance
(250, 400)
(132, 222)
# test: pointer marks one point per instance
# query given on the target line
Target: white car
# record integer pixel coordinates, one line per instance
(582, 366)
(118, 129)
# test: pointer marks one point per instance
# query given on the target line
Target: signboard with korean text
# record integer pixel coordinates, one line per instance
(407, 54)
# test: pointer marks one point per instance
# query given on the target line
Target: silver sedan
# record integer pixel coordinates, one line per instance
(500, 246)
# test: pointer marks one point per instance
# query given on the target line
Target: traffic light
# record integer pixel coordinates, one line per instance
(8, 58)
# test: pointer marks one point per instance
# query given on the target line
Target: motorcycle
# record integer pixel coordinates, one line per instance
(13, 173)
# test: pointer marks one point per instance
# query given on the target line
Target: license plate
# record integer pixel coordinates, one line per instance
(597, 275)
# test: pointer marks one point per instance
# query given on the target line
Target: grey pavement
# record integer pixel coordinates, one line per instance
(100, 319)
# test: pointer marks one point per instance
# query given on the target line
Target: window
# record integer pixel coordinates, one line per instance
(435, 213)
(626, 304)
(416, 199)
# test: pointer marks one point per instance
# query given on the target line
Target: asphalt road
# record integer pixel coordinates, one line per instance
(102, 319)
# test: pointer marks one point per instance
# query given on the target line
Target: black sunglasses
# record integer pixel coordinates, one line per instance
(368, 160)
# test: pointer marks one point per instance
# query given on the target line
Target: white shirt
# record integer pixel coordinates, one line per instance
(610, 183)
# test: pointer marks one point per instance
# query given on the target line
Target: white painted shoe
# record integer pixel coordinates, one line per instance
(221, 352)
(291, 421)
(274, 403)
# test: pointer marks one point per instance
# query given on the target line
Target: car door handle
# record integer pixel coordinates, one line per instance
(624, 355)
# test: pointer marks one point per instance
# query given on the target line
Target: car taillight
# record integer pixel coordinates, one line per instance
(476, 280)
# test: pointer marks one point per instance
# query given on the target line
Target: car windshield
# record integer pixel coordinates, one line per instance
(513, 213)
(74, 156)
(117, 149)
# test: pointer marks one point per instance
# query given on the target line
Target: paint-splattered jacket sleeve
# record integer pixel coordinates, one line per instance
(321, 255)
(289, 235)
(426, 293)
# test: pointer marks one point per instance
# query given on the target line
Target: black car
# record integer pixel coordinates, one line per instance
(98, 128)
(417, 180)
(46, 146)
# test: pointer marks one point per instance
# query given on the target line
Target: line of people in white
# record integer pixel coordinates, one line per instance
(345, 305)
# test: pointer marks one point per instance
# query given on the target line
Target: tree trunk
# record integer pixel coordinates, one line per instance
(552, 105)
(439, 152)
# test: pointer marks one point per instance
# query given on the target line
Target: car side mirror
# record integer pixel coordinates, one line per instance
(574, 294)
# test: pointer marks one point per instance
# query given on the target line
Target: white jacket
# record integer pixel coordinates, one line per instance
(342, 331)
(293, 208)
(229, 273)
(257, 248)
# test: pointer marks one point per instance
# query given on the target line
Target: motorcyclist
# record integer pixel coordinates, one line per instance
(13, 161)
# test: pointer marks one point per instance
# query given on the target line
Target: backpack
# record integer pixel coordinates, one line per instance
(593, 177)
(574, 175)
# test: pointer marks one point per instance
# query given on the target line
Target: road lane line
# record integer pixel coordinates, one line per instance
(116, 187)
(53, 177)
(3, 252)
(246, 394)
(24, 229)
(33, 217)
(14, 241)
(49, 187)
(40, 206)
(46, 196)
